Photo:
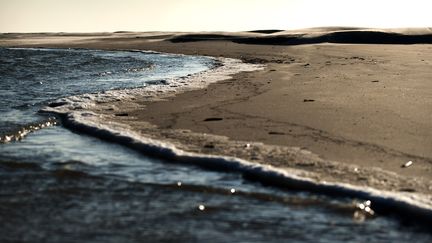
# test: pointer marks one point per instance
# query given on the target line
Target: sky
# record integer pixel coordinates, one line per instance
(207, 15)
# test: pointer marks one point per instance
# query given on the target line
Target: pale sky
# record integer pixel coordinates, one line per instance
(207, 15)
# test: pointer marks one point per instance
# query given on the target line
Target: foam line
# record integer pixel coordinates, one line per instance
(75, 115)
(383, 202)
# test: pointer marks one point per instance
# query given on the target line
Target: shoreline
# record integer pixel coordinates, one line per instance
(154, 142)
(178, 123)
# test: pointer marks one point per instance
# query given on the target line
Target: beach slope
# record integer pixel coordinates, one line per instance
(344, 105)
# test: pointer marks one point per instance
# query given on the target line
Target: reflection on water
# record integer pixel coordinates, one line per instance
(79, 188)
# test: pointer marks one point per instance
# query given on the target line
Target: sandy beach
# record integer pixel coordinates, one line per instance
(335, 112)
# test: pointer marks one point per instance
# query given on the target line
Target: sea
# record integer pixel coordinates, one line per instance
(58, 184)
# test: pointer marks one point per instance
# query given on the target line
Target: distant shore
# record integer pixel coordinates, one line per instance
(363, 110)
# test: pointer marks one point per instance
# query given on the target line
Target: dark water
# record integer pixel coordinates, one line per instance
(32, 77)
(60, 186)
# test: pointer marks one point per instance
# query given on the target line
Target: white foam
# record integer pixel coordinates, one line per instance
(227, 67)
(407, 204)
(75, 113)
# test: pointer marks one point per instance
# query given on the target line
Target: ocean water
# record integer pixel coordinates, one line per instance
(57, 185)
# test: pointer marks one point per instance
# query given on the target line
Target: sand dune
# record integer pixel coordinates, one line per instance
(316, 36)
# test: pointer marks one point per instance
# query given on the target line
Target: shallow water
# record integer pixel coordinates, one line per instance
(30, 78)
(61, 186)
(109, 193)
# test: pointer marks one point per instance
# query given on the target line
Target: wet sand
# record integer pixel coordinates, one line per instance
(363, 110)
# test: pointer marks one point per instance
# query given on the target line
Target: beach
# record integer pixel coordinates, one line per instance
(332, 112)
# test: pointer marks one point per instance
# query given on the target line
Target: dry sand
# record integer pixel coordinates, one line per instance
(362, 110)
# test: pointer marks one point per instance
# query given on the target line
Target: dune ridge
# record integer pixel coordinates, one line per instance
(337, 35)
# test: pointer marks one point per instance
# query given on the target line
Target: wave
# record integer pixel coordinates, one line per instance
(76, 114)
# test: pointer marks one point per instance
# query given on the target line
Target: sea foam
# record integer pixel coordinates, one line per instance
(76, 114)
